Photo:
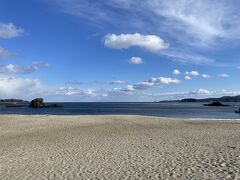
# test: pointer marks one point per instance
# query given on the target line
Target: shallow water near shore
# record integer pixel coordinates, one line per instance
(171, 110)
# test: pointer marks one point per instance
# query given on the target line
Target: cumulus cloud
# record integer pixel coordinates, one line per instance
(151, 43)
(136, 60)
(14, 87)
(152, 82)
(201, 92)
(176, 72)
(192, 73)
(16, 69)
(206, 76)
(127, 90)
(9, 30)
(70, 91)
(224, 75)
(187, 78)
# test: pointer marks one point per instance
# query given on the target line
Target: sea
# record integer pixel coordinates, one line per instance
(169, 110)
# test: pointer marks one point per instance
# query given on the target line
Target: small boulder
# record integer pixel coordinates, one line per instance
(37, 103)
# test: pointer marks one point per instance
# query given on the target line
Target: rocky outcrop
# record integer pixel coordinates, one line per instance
(53, 106)
(37, 103)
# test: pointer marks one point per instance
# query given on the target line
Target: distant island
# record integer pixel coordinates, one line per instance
(221, 99)
(12, 101)
(35, 103)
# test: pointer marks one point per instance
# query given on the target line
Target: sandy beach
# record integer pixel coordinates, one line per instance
(117, 147)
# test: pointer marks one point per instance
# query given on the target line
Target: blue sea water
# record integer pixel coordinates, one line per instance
(171, 110)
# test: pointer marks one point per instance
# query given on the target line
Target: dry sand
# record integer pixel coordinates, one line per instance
(117, 147)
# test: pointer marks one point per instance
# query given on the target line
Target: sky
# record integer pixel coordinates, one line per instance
(119, 50)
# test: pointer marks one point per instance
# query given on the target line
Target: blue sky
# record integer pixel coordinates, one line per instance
(119, 50)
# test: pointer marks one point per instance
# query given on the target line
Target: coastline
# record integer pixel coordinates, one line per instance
(117, 147)
(121, 115)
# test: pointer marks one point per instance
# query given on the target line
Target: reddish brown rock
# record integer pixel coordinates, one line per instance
(37, 103)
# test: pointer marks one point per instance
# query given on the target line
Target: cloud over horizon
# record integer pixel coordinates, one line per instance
(16, 87)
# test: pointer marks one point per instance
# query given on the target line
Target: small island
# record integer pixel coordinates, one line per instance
(35, 103)
(215, 104)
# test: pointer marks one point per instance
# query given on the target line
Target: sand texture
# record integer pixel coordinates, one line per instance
(117, 147)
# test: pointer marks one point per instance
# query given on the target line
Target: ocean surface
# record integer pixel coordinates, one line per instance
(171, 110)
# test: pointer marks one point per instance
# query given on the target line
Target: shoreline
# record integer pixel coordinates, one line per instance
(119, 115)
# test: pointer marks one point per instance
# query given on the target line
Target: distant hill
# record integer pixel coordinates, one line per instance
(12, 101)
(221, 99)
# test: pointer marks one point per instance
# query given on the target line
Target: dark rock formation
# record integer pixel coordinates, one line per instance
(37, 103)
(56, 105)
(215, 104)
(53, 106)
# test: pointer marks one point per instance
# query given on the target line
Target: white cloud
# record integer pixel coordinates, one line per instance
(192, 73)
(224, 75)
(128, 89)
(151, 43)
(187, 78)
(176, 72)
(136, 60)
(154, 81)
(15, 69)
(164, 80)
(207, 23)
(200, 23)
(187, 57)
(14, 87)
(118, 82)
(229, 93)
(70, 91)
(201, 92)
(206, 76)
(9, 30)
(5, 53)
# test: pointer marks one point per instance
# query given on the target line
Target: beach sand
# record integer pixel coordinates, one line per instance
(117, 147)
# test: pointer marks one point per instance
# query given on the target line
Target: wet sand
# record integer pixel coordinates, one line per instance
(117, 147)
